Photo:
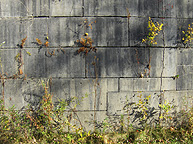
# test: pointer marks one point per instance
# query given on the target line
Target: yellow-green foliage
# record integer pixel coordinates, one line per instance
(154, 30)
(166, 107)
(188, 35)
(143, 106)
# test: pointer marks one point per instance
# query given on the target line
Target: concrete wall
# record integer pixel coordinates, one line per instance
(119, 61)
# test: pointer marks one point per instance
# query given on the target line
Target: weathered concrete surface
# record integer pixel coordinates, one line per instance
(108, 31)
(126, 103)
(175, 8)
(123, 99)
(119, 8)
(171, 32)
(12, 32)
(60, 65)
(185, 57)
(65, 31)
(106, 8)
(18, 8)
(117, 62)
(10, 8)
(163, 62)
(184, 69)
(184, 8)
(138, 30)
(169, 84)
(87, 94)
(147, 84)
(20, 93)
(9, 64)
(185, 77)
(66, 8)
(88, 119)
(162, 8)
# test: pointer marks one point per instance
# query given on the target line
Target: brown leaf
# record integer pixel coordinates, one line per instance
(23, 42)
(38, 41)
(20, 72)
(81, 49)
(46, 43)
(25, 77)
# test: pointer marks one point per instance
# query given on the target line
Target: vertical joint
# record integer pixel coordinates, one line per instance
(82, 8)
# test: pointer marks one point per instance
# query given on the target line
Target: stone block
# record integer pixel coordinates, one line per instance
(184, 82)
(108, 31)
(117, 62)
(120, 102)
(65, 31)
(38, 7)
(187, 100)
(138, 30)
(126, 105)
(181, 100)
(177, 104)
(60, 31)
(156, 62)
(9, 64)
(106, 8)
(59, 65)
(126, 84)
(93, 94)
(112, 84)
(147, 84)
(151, 8)
(20, 93)
(83, 94)
(32, 91)
(16, 8)
(13, 94)
(184, 9)
(183, 26)
(160, 58)
(35, 65)
(12, 32)
(66, 8)
(168, 8)
(170, 62)
(87, 119)
(119, 8)
(185, 57)
(169, 84)
(175, 8)
(37, 28)
(170, 28)
(60, 89)
(21, 8)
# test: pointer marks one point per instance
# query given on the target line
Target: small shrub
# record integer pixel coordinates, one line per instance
(154, 30)
(188, 36)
